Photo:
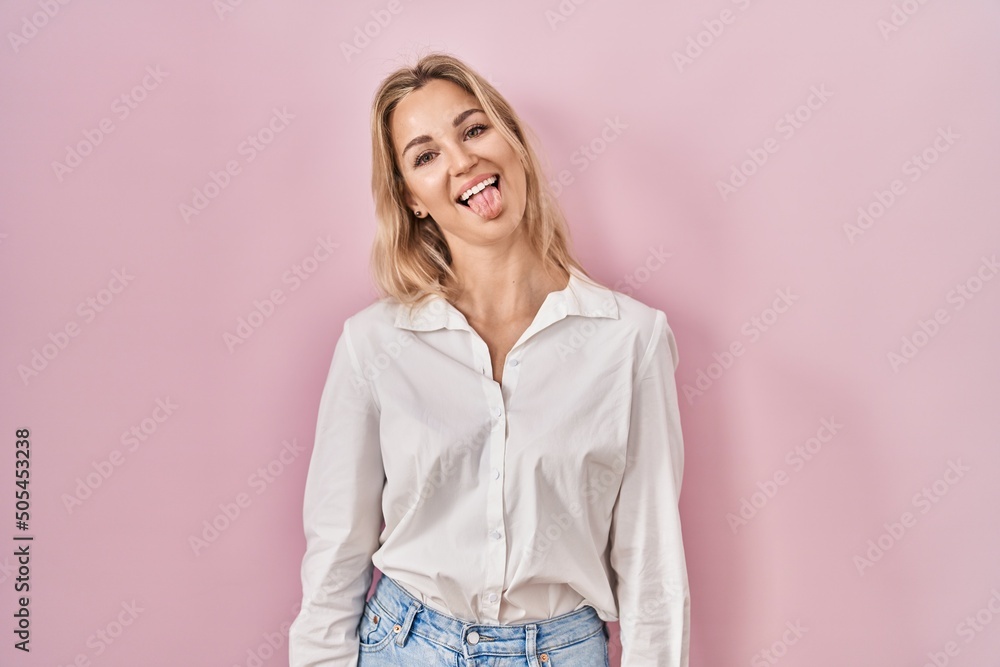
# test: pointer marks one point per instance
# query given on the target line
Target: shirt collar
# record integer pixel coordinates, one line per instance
(578, 298)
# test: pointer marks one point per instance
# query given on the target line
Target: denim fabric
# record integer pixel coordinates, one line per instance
(397, 630)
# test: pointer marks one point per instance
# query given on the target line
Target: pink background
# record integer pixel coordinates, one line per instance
(652, 186)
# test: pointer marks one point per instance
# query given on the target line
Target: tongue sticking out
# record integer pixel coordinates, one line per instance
(487, 203)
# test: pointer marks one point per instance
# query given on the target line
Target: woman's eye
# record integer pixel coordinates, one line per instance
(419, 160)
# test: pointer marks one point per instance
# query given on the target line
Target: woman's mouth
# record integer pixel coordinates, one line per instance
(484, 198)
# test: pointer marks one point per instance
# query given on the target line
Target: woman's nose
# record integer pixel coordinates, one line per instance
(461, 159)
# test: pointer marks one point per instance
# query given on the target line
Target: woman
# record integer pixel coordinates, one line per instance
(515, 423)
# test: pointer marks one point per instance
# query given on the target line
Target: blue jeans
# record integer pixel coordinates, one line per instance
(398, 630)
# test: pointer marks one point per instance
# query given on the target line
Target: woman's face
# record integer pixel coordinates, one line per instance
(444, 146)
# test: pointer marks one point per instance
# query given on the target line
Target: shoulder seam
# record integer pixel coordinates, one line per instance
(654, 338)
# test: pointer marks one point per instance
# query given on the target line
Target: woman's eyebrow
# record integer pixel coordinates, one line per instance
(423, 138)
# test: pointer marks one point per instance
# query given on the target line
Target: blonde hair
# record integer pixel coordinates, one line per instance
(410, 258)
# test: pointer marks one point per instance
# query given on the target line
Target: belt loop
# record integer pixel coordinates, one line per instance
(531, 631)
(408, 622)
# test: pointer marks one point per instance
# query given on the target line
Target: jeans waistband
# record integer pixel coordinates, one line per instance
(472, 639)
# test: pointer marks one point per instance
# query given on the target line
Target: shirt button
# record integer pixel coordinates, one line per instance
(495, 534)
(493, 597)
(497, 412)
(473, 637)
(513, 362)
(496, 474)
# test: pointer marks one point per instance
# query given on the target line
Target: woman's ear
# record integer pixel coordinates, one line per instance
(411, 201)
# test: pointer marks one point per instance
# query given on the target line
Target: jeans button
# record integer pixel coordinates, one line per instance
(473, 637)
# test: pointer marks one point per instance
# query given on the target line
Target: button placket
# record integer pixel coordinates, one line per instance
(496, 548)
(497, 399)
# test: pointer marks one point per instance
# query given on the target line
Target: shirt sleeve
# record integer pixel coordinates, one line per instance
(647, 551)
(342, 517)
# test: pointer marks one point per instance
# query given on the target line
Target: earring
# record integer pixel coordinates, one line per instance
(418, 213)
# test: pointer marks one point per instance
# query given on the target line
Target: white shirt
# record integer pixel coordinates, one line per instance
(502, 504)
